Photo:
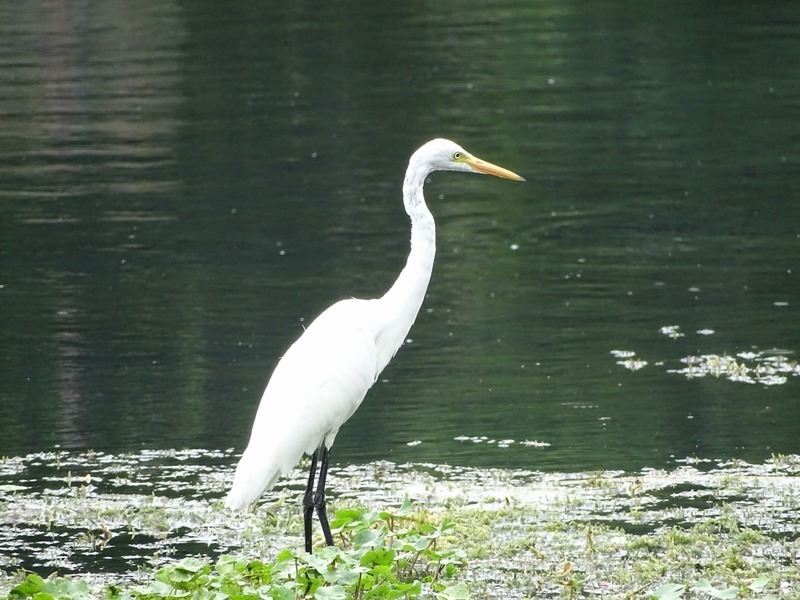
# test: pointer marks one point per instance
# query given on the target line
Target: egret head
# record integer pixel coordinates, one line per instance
(444, 155)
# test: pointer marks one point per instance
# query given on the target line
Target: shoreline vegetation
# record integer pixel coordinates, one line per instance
(151, 525)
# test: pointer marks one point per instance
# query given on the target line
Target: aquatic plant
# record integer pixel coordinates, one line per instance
(704, 529)
(764, 367)
(383, 556)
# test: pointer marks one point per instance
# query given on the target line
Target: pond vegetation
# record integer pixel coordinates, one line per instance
(151, 525)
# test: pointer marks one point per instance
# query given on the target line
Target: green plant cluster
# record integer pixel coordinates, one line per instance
(383, 556)
(676, 591)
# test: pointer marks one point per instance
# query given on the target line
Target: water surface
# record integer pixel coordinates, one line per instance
(183, 186)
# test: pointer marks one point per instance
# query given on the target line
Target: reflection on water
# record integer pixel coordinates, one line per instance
(182, 187)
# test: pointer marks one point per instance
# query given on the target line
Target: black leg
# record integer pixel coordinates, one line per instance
(308, 501)
(319, 497)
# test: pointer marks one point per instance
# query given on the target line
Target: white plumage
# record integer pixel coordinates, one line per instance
(333, 361)
(323, 377)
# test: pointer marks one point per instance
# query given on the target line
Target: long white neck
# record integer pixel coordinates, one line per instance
(400, 305)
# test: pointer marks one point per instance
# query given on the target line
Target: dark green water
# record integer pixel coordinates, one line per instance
(183, 185)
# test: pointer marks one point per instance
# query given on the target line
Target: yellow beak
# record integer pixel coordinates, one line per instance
(489, 169)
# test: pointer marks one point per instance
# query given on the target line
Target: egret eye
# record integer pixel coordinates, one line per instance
(456, 155)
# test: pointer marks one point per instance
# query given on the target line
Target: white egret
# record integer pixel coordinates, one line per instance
(323, 377)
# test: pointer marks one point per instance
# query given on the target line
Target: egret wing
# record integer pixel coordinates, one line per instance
(316, 386)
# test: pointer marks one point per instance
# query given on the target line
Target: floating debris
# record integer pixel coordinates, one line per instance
(765, 367)
(482, 439)
(629, 360)
(475, 439)
(745, 367)
(535, 443)
(672, 331)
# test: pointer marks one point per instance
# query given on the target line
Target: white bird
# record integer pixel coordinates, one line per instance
(323, 377)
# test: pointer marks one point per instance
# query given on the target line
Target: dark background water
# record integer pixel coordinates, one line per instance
(183, 185)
